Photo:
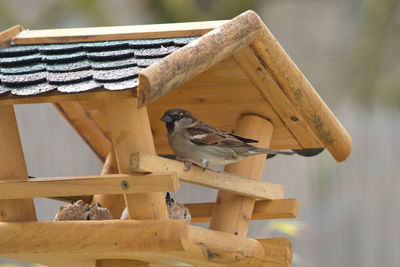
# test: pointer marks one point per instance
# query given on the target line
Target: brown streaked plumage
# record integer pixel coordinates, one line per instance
(195, 141)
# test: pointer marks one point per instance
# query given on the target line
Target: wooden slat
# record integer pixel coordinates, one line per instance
(56, 96)
(303, 96)
(86, 127)
(263, 210)
(141, 162)
(87, 185)
(232, 212)
(92, 237)
(12, 166)
(194, 58)
(116, 33)
(261, 79)
(131, 132)
(278, 252)
(5, 36)
(148, 241)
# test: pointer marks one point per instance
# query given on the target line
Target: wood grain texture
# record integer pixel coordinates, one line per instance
(93, 237)
(88, 185)
(303, 96)
(130, 129)
(262, 80)
(263, 210)
(194, 58)
(141, 162)
(86, 127)
(232, 212)
(7, 35)
(12, 166)
(278, 252)
(148, 241)
(115, 203)
(92, 34)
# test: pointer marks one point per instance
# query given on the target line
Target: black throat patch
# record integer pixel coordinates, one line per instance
(170, 127)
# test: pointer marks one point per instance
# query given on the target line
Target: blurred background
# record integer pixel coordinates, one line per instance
(350, 52)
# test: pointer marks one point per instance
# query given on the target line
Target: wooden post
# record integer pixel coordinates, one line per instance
(12, 166)
(114, 203)
(232, 213)
(130, 130)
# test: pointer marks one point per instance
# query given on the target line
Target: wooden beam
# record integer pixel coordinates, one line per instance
(88, 185)
(196, 57)
(263, 210)
(232, 212)
(93, 237)
(115, 203)
(130, 129)
(262, 80)
(141, 162)
(86, 127)
(7, 35)
(116, 33)
(303, 96)
(56, 96)
(278, 252)
(12, 166)
(146, 241)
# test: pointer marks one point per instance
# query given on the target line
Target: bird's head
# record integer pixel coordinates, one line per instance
(177, 119)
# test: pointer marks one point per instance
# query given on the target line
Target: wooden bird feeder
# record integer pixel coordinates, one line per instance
(112, 85)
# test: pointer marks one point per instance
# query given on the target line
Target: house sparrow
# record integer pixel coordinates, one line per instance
(194, 141)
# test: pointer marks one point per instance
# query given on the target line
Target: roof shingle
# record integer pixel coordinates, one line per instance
(76, 67)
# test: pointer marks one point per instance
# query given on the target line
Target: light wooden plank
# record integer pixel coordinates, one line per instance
(232, 212)
(261, 79)
(263, 210)
(148, 241)
(86, 127)
(303, 96)
(116, 32)
(56, 96)
(93, 237)
(141, 162)
(278, 252)
(196, 57)
(131, 132)
(12, 166)
(88, 185)
(5, 36)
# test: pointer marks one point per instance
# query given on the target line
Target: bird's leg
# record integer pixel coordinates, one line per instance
(188, 166)
(205, 164)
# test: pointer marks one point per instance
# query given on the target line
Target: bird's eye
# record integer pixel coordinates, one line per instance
(178, 116)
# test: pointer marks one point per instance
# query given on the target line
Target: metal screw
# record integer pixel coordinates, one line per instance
(124, 185)
(294, 118)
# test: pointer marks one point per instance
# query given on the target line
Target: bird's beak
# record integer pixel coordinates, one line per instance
(166, 118)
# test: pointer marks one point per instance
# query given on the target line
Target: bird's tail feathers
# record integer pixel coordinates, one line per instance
(258, 150)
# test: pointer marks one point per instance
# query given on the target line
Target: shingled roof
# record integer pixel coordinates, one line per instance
(27, 70)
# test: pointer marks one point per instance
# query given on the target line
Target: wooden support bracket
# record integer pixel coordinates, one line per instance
(141, 162)
(232, 212)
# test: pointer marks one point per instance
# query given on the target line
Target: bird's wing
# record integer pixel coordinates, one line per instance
(204, 134)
